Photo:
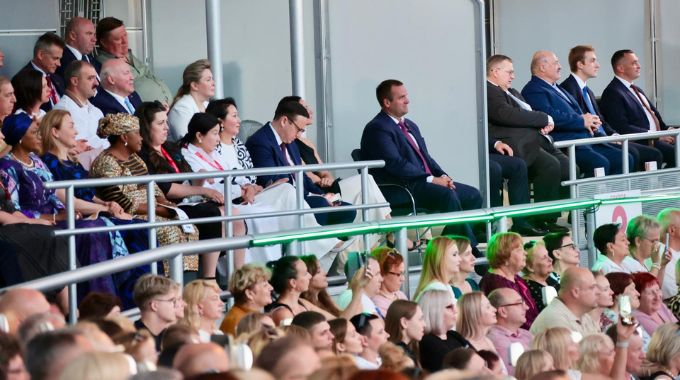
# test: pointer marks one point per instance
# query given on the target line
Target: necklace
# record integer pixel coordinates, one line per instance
(17, 159)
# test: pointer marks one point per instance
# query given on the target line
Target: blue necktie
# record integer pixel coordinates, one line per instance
(129, 106)
(591, 109)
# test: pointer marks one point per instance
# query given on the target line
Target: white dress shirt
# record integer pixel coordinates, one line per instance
(86, 120)
(650, 118)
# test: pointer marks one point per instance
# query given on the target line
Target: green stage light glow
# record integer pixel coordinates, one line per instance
(529, 210)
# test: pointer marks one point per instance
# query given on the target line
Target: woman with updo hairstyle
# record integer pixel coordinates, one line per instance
(198, 86)
(538, 271)
(317, 294)
(204, 308)
(394, 272)
(121, 160)
(249, 285)
(461, 281)
(290, 279)
(31, 91)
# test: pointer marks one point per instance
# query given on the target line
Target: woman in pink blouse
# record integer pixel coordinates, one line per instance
(652, 312)
(393, 272)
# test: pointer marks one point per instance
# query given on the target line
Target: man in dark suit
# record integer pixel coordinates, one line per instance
(543, 94)
(512, 121)
(397, 140)
(584, 65)
(47, 53)
(627, 107)
(118, 89)
(272, 146)
(80, 40)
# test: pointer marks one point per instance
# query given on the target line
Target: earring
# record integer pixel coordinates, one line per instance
(200, 141)
(20, 141)
(126, 143)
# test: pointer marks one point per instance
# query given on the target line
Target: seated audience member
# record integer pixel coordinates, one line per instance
(253, 322)
(288, 358)
(47, 53)
(663, 355)
(373, 336)
(622, 285)
(156, 298)
(38, 324)
(117, 93)
(559, 343)
(393, 272)
(81, 85)
(605, 301)
(439, 314)
(163, 157)
(113, 43)
(405, 325)
(507, 258)
(99, 305)
(199, 150)
(30, 91)
(121, 159)
(198, 86)
(510, 316)
(249, 285)
(394, 358)
(476, 318)
(398, 141)
(204, 308)
(200, 358)
(584, 65)
(440, 262)
(47, 354)
(543, 94)
(24, 176)
(272, 146)
(177, 335)
(563, 252)
(11, 360)
(673, 303)
(466, 359)
(646, 254)
(364, 285)
(652, 312)
(577, 297)
(346, 339)
(635, 356)
(19, 304)
(317, 293)
(597, 356)
(7, 97)
(80, 40)
(538, 272)
(612, 243)
(669, 220)
(533, 362)
(289, 279)
(628, 109)
(493, 362)
(461, 283)
(98, 365)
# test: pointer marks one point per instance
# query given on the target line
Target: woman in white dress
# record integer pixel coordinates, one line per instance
(200, 152)
(198, 86)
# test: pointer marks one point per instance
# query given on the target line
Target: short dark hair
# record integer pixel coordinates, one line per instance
(458, 358)
(98, 304)
(105, 25)
(10, 349)
(283, 270)
(495, 60)
(218, 107)
(200, 123)
(46, 41)
(553, 241)
(362, 323)
(44, 349)
(618, 56)
(604, 234)
(308, 319)
(578, 54)
(73, 70)
(290, 98)
(384, 90)
(290, 109)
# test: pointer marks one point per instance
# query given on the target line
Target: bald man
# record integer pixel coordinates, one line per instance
(571, 122)
(80, 40)
(118, 94)
(23, 303)
(577, 296)
(199, 358)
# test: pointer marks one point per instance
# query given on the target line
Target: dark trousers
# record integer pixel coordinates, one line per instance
(563, 160)
(605, 156)
(668, 152)
(644, 153)
(326, 218)
(514, 170)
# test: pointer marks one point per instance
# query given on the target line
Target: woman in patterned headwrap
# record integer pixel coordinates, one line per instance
(23, 174)
(120, 160)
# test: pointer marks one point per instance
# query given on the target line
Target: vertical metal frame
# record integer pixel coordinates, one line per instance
(297, 47)
(324, 95)
(482, 120)
(213, 21)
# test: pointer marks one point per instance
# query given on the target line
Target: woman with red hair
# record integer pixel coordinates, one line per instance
(393, 271)
(652, 312)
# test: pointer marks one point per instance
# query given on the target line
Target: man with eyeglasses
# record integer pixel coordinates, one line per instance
(156, 298)
(510, 316)
(562, 250)
(373, 335)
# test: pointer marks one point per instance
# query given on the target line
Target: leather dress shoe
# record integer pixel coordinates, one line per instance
(528, 230)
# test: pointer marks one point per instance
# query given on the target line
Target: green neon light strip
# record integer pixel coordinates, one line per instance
(643, 199)
(432, 222)
(287, 238)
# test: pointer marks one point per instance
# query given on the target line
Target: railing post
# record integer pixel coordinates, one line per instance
(364, 197)
(400, 242)
(296, 248)
(502, 224)
(572, 191)
(677, 149)
(590, 229)
(229, 228)
(151, 218)
(624, 160)
(71, 225)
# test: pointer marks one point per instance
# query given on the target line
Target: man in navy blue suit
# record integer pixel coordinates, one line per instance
(272, 146)
(47, 54)
(627, 107)
(584, 65)
(397, 140)
(80, 40)
(117, 94)
(571, 123)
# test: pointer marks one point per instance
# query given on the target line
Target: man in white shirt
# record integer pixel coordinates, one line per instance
(669, 219)
(612, 242)
(81, 84)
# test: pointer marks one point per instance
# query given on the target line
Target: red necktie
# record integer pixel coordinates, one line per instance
(413, 144)
(53, 92)
(657, 124)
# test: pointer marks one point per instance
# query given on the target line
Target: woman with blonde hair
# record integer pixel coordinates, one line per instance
(198, 86)
(476, 318)
(394, 272)
(645, 253)
(249, 285)
(440, 263)
(597, 356)
(538, 271)
(558, 342)
(664, 352)
(461, 281)
(204, 308)
(533, 362)
(99, 365)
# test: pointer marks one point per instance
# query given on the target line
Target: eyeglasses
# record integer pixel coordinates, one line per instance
(514, 304)
(299, 130)
(175, 301)
(571, 245)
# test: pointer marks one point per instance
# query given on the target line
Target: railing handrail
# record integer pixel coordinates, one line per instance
(130, 180)
(617, 138)
(613, 177)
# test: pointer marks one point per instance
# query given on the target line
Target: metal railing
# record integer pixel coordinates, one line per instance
(151, 224)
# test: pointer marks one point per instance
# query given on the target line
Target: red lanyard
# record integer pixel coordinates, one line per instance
(170, 160)
(214, 164)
